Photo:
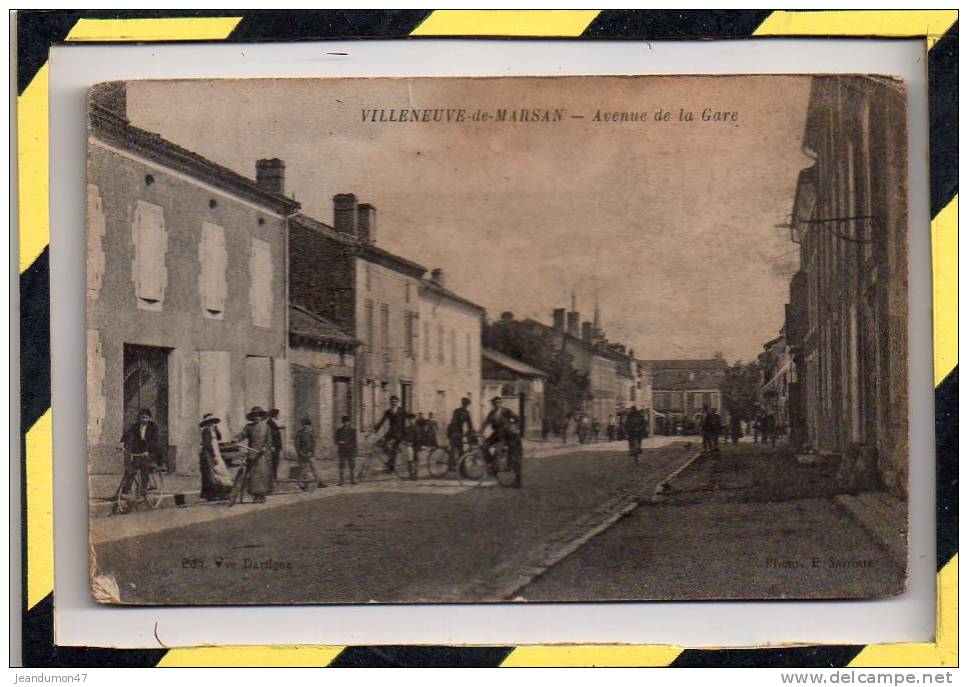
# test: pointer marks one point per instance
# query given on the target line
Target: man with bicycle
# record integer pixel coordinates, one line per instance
(505, 428)
(140, 443)
(396, 420)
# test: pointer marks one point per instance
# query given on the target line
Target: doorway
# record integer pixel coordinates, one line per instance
(146, 386)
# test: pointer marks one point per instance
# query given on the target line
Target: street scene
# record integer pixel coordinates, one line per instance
(611, 339)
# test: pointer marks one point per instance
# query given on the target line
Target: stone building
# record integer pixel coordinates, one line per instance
(447, 335)
(520, 385)
(680, 389)
(186, 289)
(322, 370)
(339, 273)
(850, 220)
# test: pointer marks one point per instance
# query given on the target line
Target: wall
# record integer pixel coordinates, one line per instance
(178, 320)
(325, 365)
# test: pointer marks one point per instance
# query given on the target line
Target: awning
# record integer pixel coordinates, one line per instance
(784, 368)
(656, 412)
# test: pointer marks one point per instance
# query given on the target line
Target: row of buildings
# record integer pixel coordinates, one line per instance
(837, 373)
(209, 292)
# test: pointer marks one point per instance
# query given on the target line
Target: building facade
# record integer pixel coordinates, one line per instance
(680, 389)
(519, 385)
(186, 289)
(338, 273)
(447, 335)
(850, 220)
(322, 361)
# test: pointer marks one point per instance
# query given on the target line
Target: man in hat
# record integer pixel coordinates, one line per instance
(258, 437)
(396, 421)
(141, 438)
(503, 423)
(635, 428)
(346, 448)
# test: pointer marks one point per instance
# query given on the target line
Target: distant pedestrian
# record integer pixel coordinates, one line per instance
(715, 429)
(610, 428)
(346, 450)
(584, 429)
(564, 429)
(635, 427)
(545, 428)
(735, 428)
(305, 442)
(770, 429)
(596, 428)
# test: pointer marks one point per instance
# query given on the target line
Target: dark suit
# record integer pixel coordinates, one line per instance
(133, 442)
(276, 446)
(396, 420)
(635, 429)
(455, 433)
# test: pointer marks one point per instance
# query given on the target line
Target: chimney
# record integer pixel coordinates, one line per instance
(345, 213)
(558, 317)
(574, 323)
(586, 331)
(366, 222)
(111, 95)
(271, 175)
(437, 276)
(507, 316)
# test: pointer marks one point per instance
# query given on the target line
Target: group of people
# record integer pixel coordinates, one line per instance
(415, 433)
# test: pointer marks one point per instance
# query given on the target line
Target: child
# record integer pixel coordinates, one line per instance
(306, 450)
(346, 447)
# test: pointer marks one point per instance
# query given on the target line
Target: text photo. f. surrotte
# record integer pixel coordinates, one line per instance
(497, 339)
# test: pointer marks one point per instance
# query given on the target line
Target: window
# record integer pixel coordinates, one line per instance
(406, 291)
(213, 260)
(453, 348)
(440, 344)
(260, 283)
(368, 276)
(96, 229)
(410, 334)
(368, 324)
(214, 384)
(150, 247)
(467, 337)
(426, 341)
(384, 325)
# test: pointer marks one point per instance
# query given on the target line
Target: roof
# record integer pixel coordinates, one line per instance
(509, 363)
(601, 351)
(366, 251)
(306, 325)
(430, 286)
(113, 128)
(685, 380)
(687, 364)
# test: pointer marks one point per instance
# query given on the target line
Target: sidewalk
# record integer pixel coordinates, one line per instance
(183, 490)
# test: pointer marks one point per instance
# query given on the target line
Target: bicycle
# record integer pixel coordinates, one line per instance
(146, 485)
(237, 495)
(473, 468)
(407, 465)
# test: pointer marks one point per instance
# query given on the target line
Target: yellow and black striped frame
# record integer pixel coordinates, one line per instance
(37, 31)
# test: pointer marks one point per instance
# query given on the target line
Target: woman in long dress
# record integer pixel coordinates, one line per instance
(216, 480)
(258, 436)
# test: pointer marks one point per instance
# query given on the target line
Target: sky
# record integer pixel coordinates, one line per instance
(669, 225)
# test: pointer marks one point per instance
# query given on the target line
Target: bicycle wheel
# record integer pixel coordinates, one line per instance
(438, 462)
(238, 486)
(155, 489)
(472, 468)
(124, 501)
(307, 479)
(506, 474)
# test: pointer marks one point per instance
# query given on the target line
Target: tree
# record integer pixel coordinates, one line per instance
(565, 388)
(741, 387)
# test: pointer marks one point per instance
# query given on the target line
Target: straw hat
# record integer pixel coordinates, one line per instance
(256, 413)
(208, 419)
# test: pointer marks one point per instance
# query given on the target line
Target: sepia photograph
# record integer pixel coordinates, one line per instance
(504, 339)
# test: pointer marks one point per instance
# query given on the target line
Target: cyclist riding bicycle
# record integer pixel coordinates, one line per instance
(396, 420)
(505, 429)
(140, 444)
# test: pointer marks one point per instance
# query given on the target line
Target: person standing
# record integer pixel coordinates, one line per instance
(610, 428)
(634, 430)
(735, 428)
(460, 419)
(715, 429)
(396, 421)
(346, 450)
(432, 432)
(276, 434)
(564, 429)
(706, 428)
(305, 442)
(140, 438)
(258, 437)
(216, 480)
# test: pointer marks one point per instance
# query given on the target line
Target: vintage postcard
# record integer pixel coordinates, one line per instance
(497, 339)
